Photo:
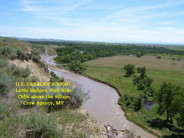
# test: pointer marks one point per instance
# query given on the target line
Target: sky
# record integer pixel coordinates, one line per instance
(140, 21)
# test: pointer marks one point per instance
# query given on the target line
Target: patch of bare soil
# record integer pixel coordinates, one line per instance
(35, 69)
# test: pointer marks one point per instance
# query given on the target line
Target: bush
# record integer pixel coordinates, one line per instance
(3, 63)
(3, 111)
(21, 55)
(140, 85)
(138, 104)
(5, 82)
(31, 79)
(36, 58)
(42, 126)
(8, 52)
(159, 57)
(21, 72)
(149, 91)
(77, 97)
(131, 102)
(136, 79)
(55, 78)
(139, 54)
(26, 72)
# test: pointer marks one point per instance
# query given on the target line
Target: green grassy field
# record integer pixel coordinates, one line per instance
(110, 70)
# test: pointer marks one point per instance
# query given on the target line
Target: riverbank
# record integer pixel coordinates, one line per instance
(125, 109)
(102, 104)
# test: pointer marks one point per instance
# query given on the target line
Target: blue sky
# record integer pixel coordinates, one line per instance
(157, 21)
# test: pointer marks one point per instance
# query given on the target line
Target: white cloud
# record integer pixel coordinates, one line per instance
(40, 8)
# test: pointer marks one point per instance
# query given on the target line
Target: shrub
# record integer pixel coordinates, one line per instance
(138, 104)
(159, 57)
(21, 55)
(139, 54)
(55, 78)
(36, 58)
(149, 91)
(77, 97)
(3, 111)
(5, 82)
(131, 102)
(42, 126)
(3, 63)
(140, 85)
(26, 72)
(31, 79)
(8, 52)
(22, 72)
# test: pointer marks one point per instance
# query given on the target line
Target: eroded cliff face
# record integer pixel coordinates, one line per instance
(36, 70)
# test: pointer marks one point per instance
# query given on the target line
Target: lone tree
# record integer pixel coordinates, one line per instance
(166, 98)
(130, 69)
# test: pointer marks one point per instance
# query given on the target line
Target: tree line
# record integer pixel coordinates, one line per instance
(74, 54)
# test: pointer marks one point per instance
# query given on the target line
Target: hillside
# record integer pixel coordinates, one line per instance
(20, 62)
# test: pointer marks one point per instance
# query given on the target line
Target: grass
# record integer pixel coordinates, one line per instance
(110, 70)
(14, 43)
(150, 62)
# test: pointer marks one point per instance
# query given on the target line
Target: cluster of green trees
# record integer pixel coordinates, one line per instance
(142, 81)
(73, 58)
(131, 102)
(169, 97)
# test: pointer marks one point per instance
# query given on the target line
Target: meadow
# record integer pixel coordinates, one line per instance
(110, 70)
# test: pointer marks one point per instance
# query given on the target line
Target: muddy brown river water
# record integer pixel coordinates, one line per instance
(102, 104)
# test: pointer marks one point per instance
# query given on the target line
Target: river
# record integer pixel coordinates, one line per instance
(102, 104)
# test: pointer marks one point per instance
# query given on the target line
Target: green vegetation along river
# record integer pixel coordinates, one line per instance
(102, 104)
